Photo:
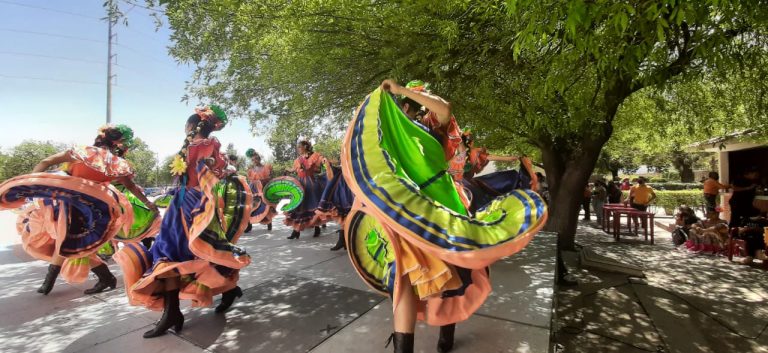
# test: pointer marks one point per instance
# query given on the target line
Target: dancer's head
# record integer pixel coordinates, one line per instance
(116, 138)
(198, 126)
(410, 107)
(202, 123)
(304, 146)
(207, 119)
(254, 156)
(467, 139)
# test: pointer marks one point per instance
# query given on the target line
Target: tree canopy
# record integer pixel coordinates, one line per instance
(144, 163)
(551, 74)
(23, 157)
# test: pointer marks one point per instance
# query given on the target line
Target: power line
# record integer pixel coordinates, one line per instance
(143, 7)
(50, 57)
(144, 54)
(48, 9)
(50, 79)
(50, 35)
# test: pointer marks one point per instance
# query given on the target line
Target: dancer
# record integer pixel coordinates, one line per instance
(409, 235)
(77, 212)
(336, 201)
(194, 256)
(307, 167)
(259, 175)
(477, 192)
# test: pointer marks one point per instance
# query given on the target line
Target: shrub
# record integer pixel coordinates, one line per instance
(676, 186)
(670, 200)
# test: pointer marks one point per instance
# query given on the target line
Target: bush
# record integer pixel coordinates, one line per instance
(676, 186)
(670, 200)
(657, 180)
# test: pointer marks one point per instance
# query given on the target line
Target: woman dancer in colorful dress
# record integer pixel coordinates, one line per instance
(307, 167)
(74, 215)
(409, 235)
(336, 201)
(259, 175)
(477, 192)
(194, 256)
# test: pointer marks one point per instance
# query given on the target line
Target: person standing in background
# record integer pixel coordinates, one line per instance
(712, 189)
(586, 201)
(599, 195)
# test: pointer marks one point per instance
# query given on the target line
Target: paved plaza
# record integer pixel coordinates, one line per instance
(298, 297)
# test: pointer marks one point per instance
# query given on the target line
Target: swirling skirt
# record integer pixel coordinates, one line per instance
(336, 200)
(409, 229)
(304, 216)
(195, 245)
(68, 217)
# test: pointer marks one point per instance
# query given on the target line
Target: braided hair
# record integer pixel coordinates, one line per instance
(307, 146)
(110, 137)
(204, 127)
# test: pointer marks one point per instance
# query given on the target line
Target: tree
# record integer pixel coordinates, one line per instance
(163, 172)
(552, 73)
(329, 147)
(25, 156)
(3, 159)
(144, 163)
(240, 164)
(684, 113)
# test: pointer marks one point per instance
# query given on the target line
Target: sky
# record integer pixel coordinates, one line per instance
(53, 68)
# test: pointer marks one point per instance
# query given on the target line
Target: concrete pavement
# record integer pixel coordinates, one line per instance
(298, 297)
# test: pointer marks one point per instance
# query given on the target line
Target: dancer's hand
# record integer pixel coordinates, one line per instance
(391, 86)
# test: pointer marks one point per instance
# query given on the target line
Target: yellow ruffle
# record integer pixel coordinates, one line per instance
(428, 274)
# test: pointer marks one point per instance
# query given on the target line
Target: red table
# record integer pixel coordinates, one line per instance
(645, 217)
(608, 211)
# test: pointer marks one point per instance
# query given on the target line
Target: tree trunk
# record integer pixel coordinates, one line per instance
(684, 163)
(686, 173)
(615, 174)
(567, 174)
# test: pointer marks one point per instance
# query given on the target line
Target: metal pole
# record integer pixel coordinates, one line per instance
(109, 63)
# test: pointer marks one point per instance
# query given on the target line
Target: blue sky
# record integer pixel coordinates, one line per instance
(53, 81)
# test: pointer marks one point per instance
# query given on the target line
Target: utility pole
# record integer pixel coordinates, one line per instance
(111, 22)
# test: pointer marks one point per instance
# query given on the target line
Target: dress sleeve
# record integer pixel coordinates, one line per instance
(102, 161)
(449, 133)
(479, 159)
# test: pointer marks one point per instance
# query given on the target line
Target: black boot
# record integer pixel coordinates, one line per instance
(172, 316)
(445, 342)
(294, 235)
(317, 232)
(106, 280)
(339, 243)
(403, 342)
(248, 228)
(228, 298)
(269, 226)
(50, 279)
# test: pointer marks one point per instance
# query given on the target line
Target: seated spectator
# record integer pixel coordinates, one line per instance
(709, 235)
(753, 231)
(684, 219)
